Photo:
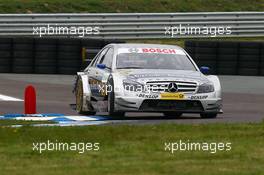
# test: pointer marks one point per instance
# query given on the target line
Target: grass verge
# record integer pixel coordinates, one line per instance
(116, 6)
(126, 149)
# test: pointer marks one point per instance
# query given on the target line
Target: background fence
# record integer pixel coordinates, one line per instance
(64, 56)
(46, 56)
(32, 54)
(136, 25)
(228, 58)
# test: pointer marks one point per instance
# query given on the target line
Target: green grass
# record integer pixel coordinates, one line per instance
(129, 149)
(105, 6)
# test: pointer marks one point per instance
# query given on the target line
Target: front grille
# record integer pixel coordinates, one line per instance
(183, 86)
(171, 105)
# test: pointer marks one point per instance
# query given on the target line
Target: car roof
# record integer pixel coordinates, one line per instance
(140, 45)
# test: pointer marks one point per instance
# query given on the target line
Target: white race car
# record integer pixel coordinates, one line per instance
(146, 78)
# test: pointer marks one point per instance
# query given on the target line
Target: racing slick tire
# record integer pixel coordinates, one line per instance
(172, 114)
(111, 102)
(79, 100)
(208, 115)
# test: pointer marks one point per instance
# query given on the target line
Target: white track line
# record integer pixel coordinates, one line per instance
(8, 98)
(74, 118)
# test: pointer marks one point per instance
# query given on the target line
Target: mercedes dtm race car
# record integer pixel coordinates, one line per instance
(146, 78)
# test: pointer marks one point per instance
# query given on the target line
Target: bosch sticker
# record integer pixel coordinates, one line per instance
(151, 50)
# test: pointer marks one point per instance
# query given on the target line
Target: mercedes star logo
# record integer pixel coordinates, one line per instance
(172, 87)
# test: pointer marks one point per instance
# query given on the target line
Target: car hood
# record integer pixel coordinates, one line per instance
(144, 75)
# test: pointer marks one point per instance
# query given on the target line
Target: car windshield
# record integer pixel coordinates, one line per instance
(153, 61)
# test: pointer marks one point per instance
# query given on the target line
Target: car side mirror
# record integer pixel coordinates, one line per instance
(101, 66)
(205, 69)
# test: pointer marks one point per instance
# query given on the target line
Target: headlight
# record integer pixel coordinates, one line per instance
(205, 88)
(130, 85)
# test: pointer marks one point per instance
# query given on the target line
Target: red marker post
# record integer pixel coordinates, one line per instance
(30, 100)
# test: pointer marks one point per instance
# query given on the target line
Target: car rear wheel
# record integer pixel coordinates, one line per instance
(111, 102)
(208, 115)
(79, 100)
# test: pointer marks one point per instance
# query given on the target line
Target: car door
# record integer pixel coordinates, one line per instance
(98, 77)
(93, 74)
(104, 73)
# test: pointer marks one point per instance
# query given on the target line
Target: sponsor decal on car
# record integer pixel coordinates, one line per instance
(172, 96)
(158, 50)
(98, 87)
(148, 96)
(151, 50)
(198, 97)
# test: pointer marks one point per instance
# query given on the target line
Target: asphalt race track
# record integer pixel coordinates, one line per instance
(243, 99)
